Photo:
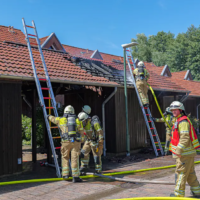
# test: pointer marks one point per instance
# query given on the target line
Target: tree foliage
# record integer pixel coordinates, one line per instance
(179, 53)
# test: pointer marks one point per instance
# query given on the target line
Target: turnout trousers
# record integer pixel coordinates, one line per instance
(73, 148)
(143, 91)
(87, 147)
(185, 173)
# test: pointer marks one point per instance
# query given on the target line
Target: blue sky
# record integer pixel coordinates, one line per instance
(102, 25)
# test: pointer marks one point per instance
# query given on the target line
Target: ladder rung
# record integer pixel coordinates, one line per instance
(42, 79)
(49, 107)
(151, 128)
(32, 35)
(31, 43)
(47, 97)
(147, 114)
(127, 50)
(56, 137)
(129, 56)
(44, 88)
(156, 142)
(54, 127)
(57, 147)
(158, 149)
(149, 121)
(145, 107)
(153, 135)
(36, 52)
(40, 70)
(29, 26)
(38, 61)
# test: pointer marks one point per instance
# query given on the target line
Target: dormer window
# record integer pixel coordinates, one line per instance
(188, 76)
(96, 55)
(166, 71)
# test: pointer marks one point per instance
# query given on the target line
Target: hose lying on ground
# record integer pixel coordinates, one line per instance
(89, 175)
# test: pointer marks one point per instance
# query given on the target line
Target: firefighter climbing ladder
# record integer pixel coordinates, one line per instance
(145, 110)
(39, 88)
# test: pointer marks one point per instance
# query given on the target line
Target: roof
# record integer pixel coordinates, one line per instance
(15, 61)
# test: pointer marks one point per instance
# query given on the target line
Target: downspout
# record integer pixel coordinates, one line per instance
(103, 116)
(198, 117)
(184, 97)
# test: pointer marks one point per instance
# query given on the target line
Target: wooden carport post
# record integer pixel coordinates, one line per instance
(34, 154)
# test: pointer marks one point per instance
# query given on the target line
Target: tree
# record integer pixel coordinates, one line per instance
(142, 51)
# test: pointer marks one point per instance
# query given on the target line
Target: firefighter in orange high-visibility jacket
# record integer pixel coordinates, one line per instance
(94, 141)
(71, 142)
(184, 143)
(141, 77)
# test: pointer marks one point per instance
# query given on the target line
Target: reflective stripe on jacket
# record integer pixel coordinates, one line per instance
(184, 139)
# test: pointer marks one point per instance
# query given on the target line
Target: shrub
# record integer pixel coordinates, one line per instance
(26, 128)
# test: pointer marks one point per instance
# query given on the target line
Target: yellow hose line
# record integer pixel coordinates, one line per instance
(89, 176)
(158, 106)
(156, 198)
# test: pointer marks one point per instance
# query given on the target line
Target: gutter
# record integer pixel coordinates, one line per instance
(24, 78)
(103, 116)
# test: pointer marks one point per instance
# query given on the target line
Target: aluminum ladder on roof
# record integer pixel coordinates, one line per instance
(40, 89)
(145, 110)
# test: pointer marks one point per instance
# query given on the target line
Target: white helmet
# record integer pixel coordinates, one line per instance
(69, 109)
(86, 109)
(140, 64)
(82, 116)
(177, 105)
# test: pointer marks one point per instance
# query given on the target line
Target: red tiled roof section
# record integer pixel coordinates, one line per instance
(86, 53)
(15, 61)
(179, 75)
(79, 52)
(42, 40)
(14, 35)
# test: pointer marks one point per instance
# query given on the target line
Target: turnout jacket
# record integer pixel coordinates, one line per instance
(170, 119)
(61, 122)
(183, 139)
(146, 74)
(93, 132)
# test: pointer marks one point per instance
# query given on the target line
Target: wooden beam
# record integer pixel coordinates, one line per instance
(34, 146)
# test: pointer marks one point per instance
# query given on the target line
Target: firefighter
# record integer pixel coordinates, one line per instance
(184, 142)
(141, 77)
(94, 142)
(70, 140)
(170, 119)
(86, 109)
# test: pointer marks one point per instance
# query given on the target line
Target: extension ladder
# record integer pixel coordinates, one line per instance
(145, 110)
(40, 89)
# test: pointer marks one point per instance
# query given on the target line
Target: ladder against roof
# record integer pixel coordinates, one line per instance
(38, 67)
(145, 110)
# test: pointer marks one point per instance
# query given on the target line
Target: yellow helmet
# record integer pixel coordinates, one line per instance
(69, 109)
(177, 105)
(86, 109)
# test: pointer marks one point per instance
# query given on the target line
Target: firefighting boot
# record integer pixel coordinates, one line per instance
(172, 195)
(77, 179)
(194, 195)
(83, 170)
(146, 105)
(65, 177)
